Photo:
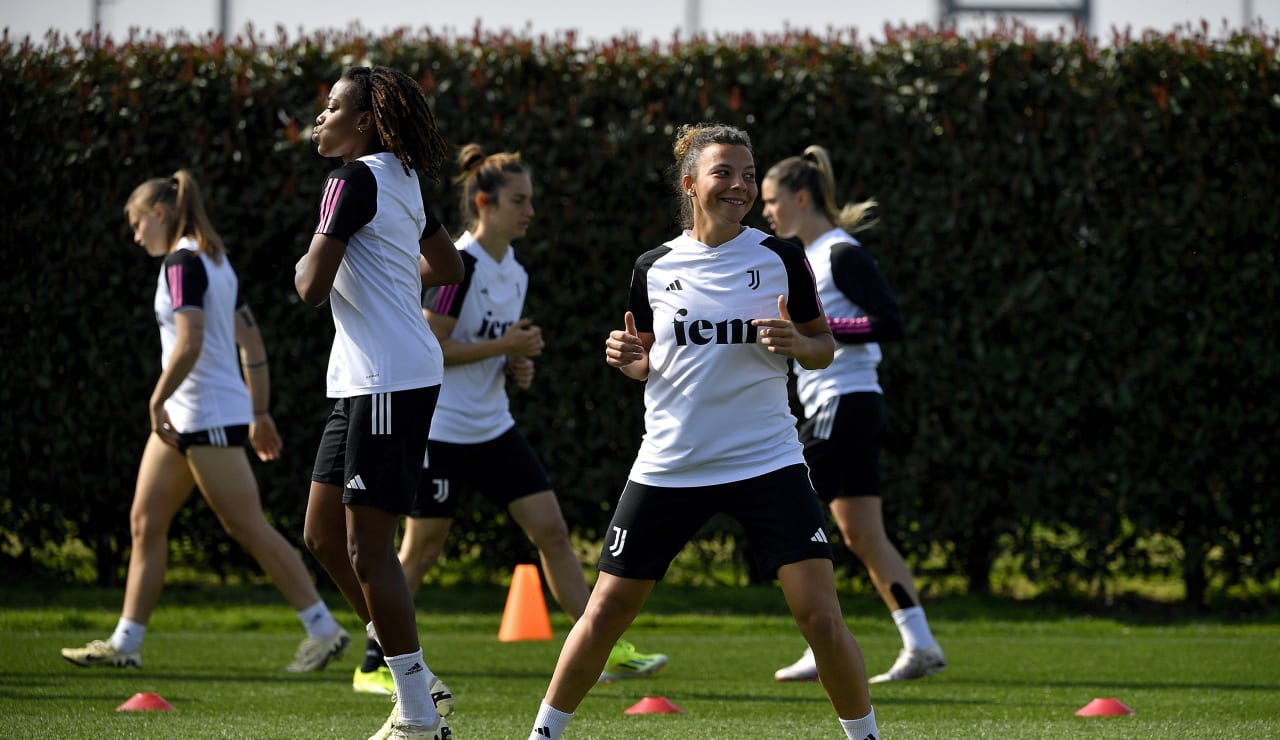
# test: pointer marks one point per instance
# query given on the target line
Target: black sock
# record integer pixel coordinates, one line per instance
(373, 657)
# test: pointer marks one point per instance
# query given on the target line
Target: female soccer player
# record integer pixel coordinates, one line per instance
(474, 443)
(713, 316)
(375, 245)
(201, 415)
(844, 407)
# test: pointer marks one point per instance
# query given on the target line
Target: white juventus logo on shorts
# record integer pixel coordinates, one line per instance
(754, 282)
(619, 541)
(819, 536)
(381, 413)
(442, 490)
(356, 484)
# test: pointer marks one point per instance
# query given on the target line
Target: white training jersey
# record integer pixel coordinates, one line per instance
(213, 394)
(716, 408)
(473, 405)
(382, 343)
(854, 368)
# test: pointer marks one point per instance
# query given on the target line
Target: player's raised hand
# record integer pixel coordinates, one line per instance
(777, 335)
(624, 347)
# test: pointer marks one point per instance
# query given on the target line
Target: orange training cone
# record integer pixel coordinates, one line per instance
(525, 616)
(145, 703)
(654, 705)
(1103, 708)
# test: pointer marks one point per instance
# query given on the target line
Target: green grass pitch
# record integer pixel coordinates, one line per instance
(1017, 670)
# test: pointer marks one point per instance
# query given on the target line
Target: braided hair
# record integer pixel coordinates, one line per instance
(402, 117)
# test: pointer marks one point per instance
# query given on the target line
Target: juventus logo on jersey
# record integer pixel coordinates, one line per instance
(442, 490)
(754, 279)
(619, 541)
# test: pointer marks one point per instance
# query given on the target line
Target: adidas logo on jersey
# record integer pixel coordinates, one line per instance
(356, 484)
(702, 331)
(819, 536)
(675, 285)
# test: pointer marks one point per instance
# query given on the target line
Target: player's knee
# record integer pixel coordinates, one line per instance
(421, 557)
(820, 625)
(549, 536)
(143, 526)
(361, 564)
(859, 541)
(325, 548)
(242, 531)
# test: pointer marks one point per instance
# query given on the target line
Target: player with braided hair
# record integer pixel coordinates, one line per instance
(401, 117)
(474, 444)
(375, 247)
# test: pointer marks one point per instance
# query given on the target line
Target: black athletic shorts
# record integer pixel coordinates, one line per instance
(233, 436)
(842, 445)
(373, 447)
(503, 469)
(783, 520)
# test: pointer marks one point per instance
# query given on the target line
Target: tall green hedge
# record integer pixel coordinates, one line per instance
(1082, 240)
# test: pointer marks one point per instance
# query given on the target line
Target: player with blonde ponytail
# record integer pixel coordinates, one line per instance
(845, 413)
(201, 415)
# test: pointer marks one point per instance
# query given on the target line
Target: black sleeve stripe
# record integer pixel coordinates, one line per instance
(856, 275)
(638, 299)
(448, 299)
(187, 280)
(433, 224)
(802, 291)
(350, 201)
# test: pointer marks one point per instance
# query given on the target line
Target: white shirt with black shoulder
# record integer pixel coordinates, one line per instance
(213, 394)
(861, 310)
(716, 407)
(382, 343)
(473, 405)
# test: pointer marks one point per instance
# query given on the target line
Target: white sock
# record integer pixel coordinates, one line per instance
(914, 628)
(550, 723)
(318, 621)
(128, 636)
(862, 729)
(413, 687)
